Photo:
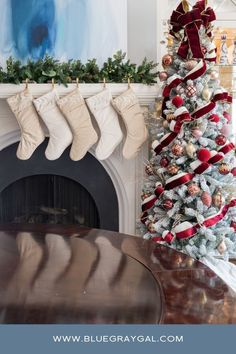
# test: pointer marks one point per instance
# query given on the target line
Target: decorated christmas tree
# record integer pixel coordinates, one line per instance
(189, 196)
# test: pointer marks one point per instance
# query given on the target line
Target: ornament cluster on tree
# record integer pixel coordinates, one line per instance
(188, 200)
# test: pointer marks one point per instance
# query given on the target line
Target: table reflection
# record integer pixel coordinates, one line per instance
(59, 279)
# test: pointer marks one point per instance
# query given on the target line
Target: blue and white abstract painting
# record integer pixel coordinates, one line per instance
(65, 29)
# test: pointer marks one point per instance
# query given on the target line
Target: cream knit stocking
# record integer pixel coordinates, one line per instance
(32, 134)
(128, 107)
(84, 136)
(60, 136)
(107, 119)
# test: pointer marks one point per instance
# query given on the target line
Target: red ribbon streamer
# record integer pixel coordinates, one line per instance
(191, 22)
(190, 232)
(190, 76)
(179, 181)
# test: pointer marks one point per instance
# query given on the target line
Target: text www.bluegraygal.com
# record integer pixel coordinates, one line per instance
(117, 339)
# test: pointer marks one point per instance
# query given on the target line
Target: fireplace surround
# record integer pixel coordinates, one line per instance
(114, 185)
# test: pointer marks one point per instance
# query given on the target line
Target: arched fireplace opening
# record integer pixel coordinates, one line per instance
(56, 192)
(48, 199)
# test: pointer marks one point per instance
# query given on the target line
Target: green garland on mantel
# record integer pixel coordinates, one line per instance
(114, 70)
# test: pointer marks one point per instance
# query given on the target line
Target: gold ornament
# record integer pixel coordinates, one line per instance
(165, 124)
(145, 195)
(190, 150)
(218, 199)
(172, 169)
(170, 117)
(177, 150)
(206, 93)
(224, 169)
(185, 5)
(149, 169)
(151, 228)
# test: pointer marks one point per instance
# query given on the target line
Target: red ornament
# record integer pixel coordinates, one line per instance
(159, 190)
(167, 204)
(220, 140)
(224, 169)
(163, 76)
(177, 150)
(164, 161)
(233, 225)
(203, 155)
(233, 171)
(227, 116)
(177, 101)
(193, 189)
(214, 118)
(167, 60)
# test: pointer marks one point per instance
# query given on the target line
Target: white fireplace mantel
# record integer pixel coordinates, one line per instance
(127, 176)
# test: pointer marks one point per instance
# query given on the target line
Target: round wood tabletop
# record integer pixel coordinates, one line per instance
(66, 274)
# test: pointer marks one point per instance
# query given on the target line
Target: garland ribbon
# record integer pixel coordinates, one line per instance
(180, 179)
(175, 80)
(182, 116)
(187, 230)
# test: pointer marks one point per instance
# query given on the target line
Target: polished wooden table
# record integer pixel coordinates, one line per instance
(56, 274)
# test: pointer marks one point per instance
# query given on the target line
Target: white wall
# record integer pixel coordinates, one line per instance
(142, 30)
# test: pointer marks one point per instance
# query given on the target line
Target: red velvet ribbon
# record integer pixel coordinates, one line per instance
(168, 238)
(215, 159)
(191, 22)
(203, 110)
(165, 143)
(227, 148)
(163, 107)
(172, 85)
(183, 235)
(202, 168)
(149, 204)
(207, 15)
(179, 181)
(144, 217)
(191, 76)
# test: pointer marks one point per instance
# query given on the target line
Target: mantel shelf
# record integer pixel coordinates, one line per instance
(146, 94)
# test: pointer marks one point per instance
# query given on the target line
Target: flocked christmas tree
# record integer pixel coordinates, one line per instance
(188, 199)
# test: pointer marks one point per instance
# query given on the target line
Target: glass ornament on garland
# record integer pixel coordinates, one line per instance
(193, 154)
